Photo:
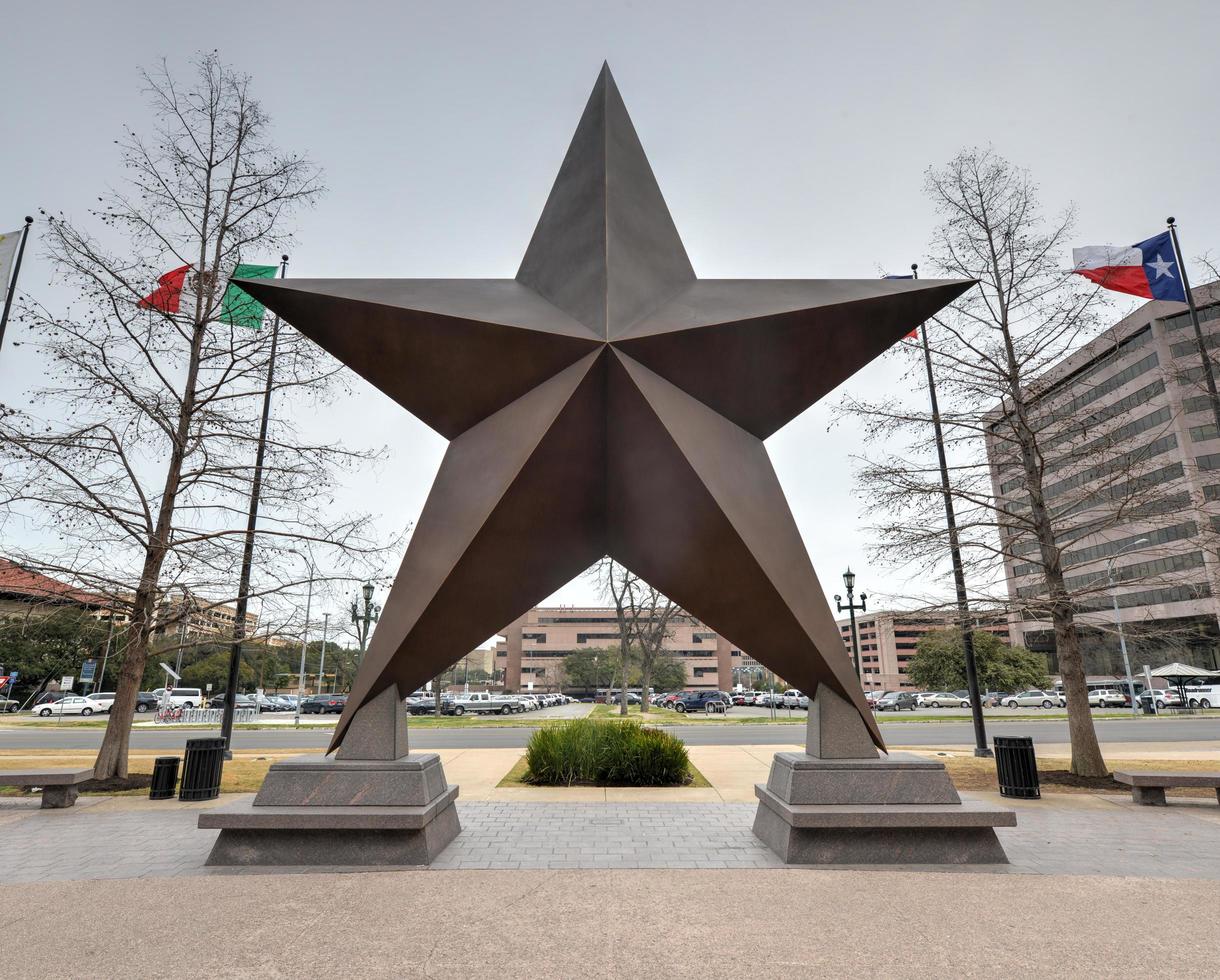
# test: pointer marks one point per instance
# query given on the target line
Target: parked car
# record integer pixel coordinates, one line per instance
(48, 696)
(73, 704)
(1035, 699)
(791, 698)
(1106, 698)
(481, 703)
(942, 699)
(181, 697)
(239, 701)
(993, 699)
(1164, 698)
(145, 700)
(699, 701)
(769, 699)
(897, 701)
(324, 704)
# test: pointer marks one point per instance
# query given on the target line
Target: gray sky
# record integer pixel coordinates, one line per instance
(790, 140)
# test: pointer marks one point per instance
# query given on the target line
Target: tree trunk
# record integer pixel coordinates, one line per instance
(112, 756)
(645, 681)
(1087, 759)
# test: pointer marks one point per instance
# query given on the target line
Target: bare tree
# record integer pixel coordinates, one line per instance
(645, 621)
(1034, 470)
(652, 616)
(619, 584)
(136, 455)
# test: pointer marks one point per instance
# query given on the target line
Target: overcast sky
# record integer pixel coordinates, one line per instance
(789, 139)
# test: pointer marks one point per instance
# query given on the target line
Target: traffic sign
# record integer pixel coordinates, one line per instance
(88, 670)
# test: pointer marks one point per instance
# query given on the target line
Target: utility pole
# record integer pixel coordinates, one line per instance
(304, 647)
(322, 660)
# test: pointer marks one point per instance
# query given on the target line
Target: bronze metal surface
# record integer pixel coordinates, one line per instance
(605, 402)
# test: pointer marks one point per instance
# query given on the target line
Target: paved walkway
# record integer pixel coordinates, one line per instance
(573, 925)
(125, 837)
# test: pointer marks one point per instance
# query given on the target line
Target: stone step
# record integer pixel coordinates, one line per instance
(245, 815)
(890, 815)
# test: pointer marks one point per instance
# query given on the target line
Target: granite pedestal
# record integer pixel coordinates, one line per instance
(372, 804)
(839, 802)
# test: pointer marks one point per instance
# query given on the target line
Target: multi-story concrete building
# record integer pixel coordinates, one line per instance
(192, 616)
(534, 646)
(888, 640)
(1132, 463)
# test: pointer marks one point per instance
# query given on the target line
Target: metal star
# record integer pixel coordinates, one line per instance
(605, 401)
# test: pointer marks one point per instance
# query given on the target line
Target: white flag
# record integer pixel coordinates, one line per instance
(9, 240)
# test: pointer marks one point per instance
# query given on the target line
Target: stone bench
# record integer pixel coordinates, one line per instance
(1149, 788)
(59, 786)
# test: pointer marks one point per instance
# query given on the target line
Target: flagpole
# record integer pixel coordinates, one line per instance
(12, 284)
(247, 557)
(959, 576)
(1208, 375)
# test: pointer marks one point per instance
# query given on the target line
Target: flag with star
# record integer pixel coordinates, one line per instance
(1148, 268)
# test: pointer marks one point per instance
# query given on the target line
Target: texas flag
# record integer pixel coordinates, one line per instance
(1148, 269)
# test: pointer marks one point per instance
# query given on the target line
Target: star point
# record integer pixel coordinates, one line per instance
(605, 401)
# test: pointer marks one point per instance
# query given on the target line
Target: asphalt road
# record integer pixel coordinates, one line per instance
(1198, 729)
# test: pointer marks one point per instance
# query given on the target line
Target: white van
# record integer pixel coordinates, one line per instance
(181, 697)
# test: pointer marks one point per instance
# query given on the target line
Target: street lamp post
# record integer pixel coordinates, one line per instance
(849, 583)
(363, 621)
(1118, 622)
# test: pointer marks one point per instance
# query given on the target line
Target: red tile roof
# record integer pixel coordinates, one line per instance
(21, 583)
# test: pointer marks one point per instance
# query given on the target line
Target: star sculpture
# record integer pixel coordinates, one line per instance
(605, 402)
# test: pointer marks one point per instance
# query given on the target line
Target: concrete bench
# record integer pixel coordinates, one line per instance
(59, 786)
(1149, 787)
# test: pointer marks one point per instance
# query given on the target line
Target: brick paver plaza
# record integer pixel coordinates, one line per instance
(1061, 834)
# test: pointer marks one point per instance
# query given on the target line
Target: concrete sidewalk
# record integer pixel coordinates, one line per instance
(617, 924)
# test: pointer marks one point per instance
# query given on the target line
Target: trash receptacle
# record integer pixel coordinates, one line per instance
(201, 769)
(1148, 706)
(1017, 767)
(164, 778)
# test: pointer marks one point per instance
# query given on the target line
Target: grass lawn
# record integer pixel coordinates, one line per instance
(516, 777)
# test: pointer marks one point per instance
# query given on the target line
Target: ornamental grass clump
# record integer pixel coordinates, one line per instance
(601, 753)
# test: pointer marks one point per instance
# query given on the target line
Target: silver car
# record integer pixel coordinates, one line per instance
(1035, 699)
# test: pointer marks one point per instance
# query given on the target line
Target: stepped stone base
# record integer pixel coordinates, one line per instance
(842, 803)
(358, 836)
(372, 804)
(871, 834)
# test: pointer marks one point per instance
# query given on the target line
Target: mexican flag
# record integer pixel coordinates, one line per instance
(167, 297)
(239, 307)
(176, 291)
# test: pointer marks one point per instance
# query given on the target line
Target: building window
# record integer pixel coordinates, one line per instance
(1181, 320)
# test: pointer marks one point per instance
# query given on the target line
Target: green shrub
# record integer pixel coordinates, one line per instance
(605, 753)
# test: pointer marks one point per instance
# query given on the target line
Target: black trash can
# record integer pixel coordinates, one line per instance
(201, 769)
(1017, 767)
(164, 778)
